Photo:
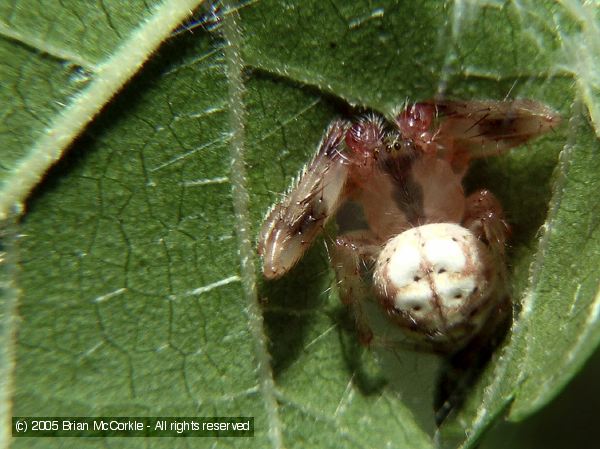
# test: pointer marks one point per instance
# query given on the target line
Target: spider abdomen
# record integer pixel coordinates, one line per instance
(436, 279)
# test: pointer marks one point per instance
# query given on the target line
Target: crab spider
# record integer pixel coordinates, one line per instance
(431, 255)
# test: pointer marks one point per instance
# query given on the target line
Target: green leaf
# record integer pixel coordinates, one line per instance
(23, 167)
(138, 290)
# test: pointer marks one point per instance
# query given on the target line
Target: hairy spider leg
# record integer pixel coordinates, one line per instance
(485, 218)
(477, 129)
(353, 256)
(291, 226)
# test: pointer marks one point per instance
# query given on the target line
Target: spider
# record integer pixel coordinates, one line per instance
(432, 256)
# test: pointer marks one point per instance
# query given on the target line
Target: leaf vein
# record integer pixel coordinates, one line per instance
(235, 70)
(46, 48)
(112, 75)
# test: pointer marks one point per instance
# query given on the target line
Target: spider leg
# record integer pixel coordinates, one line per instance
(487, 128)
(485, 218)
(353, 257)
(292, 225)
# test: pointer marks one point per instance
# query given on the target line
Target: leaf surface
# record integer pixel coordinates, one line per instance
(138, 289)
